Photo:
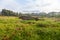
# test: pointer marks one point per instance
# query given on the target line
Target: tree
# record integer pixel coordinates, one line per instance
(7, 13)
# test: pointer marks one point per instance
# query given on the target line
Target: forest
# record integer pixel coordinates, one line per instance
(6, 12)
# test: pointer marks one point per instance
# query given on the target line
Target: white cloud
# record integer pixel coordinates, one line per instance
(10, 4)
(32, 5)
(54, 6)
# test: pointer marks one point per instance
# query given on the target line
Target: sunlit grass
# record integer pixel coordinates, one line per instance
(13, 28)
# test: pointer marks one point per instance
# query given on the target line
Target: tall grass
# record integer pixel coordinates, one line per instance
(12, 28)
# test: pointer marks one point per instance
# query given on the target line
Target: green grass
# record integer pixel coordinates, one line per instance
(13, 28)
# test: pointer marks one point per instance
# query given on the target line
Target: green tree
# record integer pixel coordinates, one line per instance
(5, 12)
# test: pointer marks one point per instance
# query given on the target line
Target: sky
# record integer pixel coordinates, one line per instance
(30, 5)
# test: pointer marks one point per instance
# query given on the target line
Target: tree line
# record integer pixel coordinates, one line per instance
(6, 12)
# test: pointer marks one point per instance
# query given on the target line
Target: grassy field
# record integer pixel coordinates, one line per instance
(13, 28)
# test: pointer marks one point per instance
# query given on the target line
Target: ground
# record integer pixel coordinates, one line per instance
(13, 28)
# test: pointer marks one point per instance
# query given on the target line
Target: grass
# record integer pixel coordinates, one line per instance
(13, 28)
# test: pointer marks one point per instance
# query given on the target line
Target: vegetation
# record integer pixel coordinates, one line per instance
(38, 26)
(6, 12)
(13, 28)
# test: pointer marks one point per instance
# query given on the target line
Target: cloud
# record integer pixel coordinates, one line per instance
(10, 4)
(54, 6)
(31, 5)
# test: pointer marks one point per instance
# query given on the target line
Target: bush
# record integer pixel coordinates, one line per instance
(47, 24)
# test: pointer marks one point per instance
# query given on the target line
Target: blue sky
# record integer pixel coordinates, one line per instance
(30, 5)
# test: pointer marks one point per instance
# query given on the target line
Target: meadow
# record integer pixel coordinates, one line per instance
(13, 28)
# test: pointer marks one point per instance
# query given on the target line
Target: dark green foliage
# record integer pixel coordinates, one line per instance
(8, 13)
(47, 24)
